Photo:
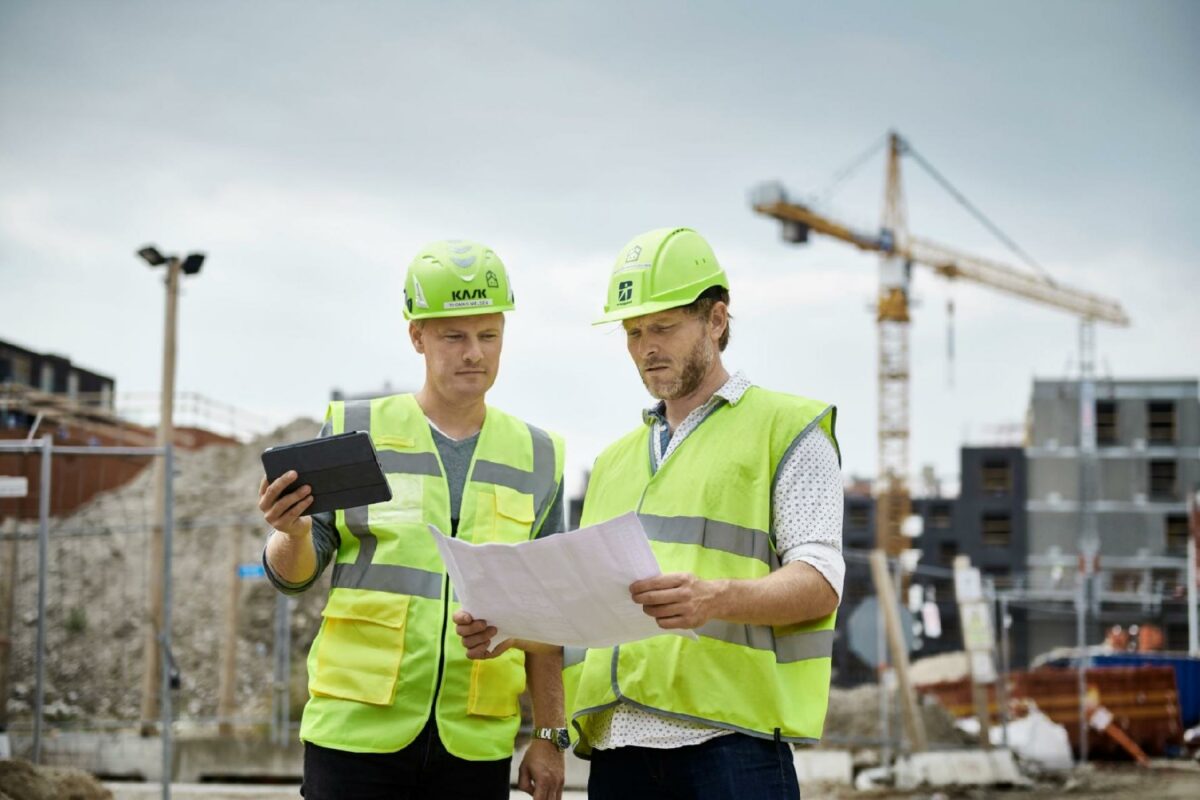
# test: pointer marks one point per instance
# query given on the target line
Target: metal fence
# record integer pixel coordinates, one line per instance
(70, 595)
(76, 577)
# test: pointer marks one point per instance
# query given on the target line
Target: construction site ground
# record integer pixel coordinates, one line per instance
(1163, 780)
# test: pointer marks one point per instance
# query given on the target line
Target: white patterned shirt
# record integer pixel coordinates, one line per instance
(807, 525)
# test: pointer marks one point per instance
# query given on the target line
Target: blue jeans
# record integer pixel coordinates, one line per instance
(734, 766)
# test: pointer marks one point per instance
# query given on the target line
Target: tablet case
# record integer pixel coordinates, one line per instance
(343, 470)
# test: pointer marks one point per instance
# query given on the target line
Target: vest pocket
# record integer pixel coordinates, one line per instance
(496, 684)
(503, 516)
(361, 647)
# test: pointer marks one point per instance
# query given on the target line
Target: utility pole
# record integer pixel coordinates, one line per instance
(151, 656)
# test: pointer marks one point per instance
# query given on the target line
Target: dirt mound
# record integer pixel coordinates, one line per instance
(96, 589)
(21, 780)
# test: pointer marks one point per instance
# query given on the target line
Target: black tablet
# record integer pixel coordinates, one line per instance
(342, 470)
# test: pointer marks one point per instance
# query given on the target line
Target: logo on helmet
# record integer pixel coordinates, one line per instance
(492, 281)
(468, 294)
(634, 253)
(624, 292)
(420, 295)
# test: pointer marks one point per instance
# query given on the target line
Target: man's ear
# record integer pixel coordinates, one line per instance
(718, 318)
(416, 333)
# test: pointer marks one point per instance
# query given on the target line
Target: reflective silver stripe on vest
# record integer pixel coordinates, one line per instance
(388, 578)
(357, 417)
(539, 482)
(714, 535)
(573, 656)
(543, 470)
(411, 463)
(789, 648)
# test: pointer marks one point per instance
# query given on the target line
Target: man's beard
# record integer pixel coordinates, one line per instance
(695, 367)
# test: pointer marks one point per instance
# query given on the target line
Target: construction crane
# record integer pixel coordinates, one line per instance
(898, 251)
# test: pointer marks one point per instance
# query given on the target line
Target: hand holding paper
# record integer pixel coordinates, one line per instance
(570, 589)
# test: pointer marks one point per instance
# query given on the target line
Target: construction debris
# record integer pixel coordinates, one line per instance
(957, 768)
(853, 716)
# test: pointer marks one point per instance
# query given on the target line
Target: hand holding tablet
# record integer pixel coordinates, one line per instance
(340, 471)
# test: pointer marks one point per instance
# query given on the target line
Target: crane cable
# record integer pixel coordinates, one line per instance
(979, 215)
(850, 168)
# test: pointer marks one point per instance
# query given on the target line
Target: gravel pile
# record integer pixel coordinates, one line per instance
(96, 591)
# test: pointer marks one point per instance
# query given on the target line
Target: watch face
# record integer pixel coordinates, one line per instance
(562, 739)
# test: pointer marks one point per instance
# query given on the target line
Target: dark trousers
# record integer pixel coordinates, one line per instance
(735, 766)
(422, 770)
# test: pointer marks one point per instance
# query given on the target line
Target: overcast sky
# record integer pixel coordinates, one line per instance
(311, 148)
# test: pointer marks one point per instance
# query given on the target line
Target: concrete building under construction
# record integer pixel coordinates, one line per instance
(1147, 461)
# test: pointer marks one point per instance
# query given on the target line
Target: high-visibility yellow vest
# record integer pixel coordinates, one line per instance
(387, 650)
(707, 511)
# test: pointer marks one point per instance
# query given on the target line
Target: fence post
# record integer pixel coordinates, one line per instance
(39, 697)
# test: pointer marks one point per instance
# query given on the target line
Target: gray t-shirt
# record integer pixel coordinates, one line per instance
(456, 457)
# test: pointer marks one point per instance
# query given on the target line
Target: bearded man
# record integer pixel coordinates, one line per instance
(739, 490)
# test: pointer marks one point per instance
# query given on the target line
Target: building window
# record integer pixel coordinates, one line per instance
(1125, 580)
(946, 553)
(1177, 533)
(858, 515)
(997, 529)
(1162, 480)
(939, 515)
(1166, 581)
(1106, 422)
(1160, 421)
(997, 477)
(46, 380)
(1001, 577)
(20, 370)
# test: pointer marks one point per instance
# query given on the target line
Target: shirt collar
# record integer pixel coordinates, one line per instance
(731, 392)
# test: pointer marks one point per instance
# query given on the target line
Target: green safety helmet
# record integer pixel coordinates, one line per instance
(456, 278)
(661, 269)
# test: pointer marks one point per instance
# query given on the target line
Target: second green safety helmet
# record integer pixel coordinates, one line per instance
(661, 269)
(456, 278)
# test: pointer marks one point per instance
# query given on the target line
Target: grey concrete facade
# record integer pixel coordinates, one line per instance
(986, 521)
(1148, 459)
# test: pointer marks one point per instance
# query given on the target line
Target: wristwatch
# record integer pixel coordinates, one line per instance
(556, 736)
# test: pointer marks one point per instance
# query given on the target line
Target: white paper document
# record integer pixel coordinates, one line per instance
(569, 589)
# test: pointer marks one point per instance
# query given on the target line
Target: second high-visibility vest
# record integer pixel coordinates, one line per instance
(707, 511)
(387, 655)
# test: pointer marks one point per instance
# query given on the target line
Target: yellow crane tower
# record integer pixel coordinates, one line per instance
(898, 251)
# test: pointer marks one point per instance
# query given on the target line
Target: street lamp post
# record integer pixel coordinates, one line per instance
(151, 654)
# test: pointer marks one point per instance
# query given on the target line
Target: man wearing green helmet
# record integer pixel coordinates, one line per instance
(396, 709)
(740, 493)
